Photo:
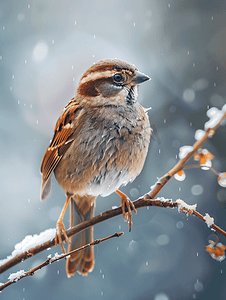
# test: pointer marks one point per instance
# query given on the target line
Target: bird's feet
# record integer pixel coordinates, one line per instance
(61, 232)
(127, 203)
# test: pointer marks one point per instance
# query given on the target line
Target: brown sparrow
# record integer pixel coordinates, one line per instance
(100, 143)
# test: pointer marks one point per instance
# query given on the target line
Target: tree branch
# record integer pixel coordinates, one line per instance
(52, 260)
(141, 202)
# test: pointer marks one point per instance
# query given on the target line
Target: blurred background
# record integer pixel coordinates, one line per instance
(45, 47)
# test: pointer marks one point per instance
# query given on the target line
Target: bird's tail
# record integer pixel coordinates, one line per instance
(81, 209)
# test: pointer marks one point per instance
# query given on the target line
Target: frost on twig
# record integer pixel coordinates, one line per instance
(185, 208)
(208, 220)
(199, 134)
(215, 116)
(184, 150)
(14, 277)
(155, 184)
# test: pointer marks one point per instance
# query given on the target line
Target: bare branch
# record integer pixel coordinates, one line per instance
(197, 166)
(52, 260)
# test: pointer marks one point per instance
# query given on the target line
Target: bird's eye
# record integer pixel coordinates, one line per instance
(118, 77)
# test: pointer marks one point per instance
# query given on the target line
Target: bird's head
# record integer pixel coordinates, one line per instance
(110, 81)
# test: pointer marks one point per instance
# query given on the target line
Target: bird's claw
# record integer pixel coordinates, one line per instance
(61, 232)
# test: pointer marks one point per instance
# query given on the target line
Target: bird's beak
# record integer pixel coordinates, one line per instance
(139, 78)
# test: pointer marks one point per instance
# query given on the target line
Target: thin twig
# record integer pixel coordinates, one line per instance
(214, 171)
(52, 260)
(197, 166)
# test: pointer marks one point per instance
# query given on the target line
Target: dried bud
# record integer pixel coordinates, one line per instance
(222, 179)
(216, 251)
(180, 176)
(204, 157)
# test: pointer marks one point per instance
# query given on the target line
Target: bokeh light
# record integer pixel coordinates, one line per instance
(40, 51)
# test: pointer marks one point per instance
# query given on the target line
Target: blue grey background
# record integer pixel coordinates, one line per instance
(45, 47)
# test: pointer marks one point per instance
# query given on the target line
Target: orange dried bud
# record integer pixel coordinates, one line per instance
(209, 156)
(204, 157)
(202, 160)
(217, 252)
(222, 179)
(197, 156)
(180, 175)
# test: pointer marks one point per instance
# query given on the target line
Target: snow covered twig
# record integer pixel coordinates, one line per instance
(38, 243)
(22, 274)
(11, 261)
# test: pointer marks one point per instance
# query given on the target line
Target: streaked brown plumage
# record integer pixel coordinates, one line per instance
(100, 142)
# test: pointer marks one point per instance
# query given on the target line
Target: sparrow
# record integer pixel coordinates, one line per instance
(100, 143)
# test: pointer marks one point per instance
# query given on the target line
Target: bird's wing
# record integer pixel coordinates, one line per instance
(62, 140)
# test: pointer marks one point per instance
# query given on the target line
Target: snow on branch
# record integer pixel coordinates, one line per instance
(185, 208)
(209, 221)
(141, 202)
(29, 242)
(14, 277)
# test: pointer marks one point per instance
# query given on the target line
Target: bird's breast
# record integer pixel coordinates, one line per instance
(108, 151)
